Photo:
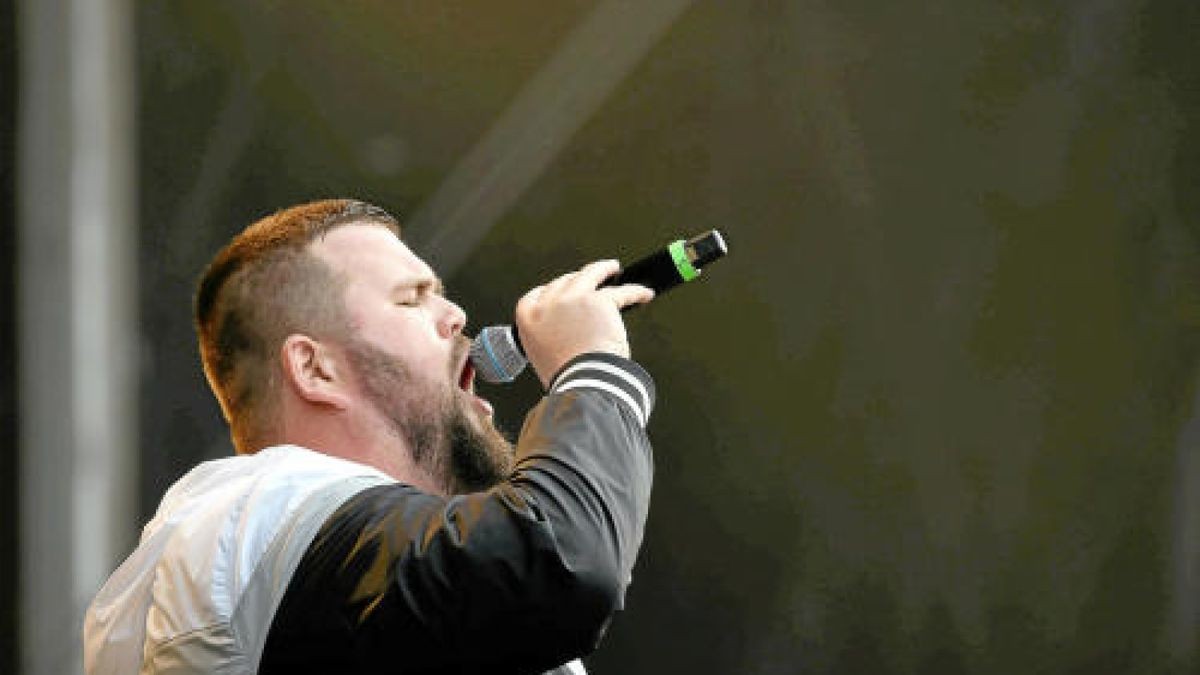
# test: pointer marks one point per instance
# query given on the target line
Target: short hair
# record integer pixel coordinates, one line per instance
(264, 285)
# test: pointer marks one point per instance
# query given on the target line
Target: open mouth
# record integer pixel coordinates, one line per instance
(466, 382)
(466, 377)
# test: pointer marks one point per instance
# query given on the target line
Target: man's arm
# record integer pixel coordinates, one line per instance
(518, 579)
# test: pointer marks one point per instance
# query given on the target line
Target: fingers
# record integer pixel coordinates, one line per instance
(628, 294)
(590, 276)
(585, 279)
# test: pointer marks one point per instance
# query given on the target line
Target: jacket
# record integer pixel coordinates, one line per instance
(293, 561)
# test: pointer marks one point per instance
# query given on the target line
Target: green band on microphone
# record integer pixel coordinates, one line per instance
(682, 264)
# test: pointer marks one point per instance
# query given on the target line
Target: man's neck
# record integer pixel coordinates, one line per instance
(355, 438)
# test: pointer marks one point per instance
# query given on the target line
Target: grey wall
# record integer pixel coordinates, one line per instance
(930, 416)
(9, 557)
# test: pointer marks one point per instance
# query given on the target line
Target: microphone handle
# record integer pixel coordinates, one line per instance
(677, 263)
(497, 353)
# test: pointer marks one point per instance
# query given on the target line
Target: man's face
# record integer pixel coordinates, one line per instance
(410, 357)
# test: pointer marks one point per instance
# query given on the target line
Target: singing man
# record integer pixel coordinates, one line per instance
(373, 519)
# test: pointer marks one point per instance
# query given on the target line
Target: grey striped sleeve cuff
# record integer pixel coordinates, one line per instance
(617, 376)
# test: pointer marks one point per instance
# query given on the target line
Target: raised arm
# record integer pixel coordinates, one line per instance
(521, 578)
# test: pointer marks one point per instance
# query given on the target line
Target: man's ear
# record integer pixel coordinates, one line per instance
(312, 371)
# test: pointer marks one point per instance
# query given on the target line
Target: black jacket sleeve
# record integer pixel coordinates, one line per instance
(518, 579)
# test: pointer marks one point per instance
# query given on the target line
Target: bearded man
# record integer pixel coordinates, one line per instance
(373, 520)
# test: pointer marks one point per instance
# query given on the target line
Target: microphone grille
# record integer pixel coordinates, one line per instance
(496, 356)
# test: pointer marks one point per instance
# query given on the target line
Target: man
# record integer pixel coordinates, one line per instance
(373, 519)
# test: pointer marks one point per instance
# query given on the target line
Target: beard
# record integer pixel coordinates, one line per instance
(458, 447)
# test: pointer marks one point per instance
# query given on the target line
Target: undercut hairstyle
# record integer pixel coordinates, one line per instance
(265, 285)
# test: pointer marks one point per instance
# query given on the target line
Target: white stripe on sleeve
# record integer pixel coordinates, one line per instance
(609, 368)
(610, 388)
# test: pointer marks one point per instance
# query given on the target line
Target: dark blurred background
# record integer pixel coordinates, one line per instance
(937, 411)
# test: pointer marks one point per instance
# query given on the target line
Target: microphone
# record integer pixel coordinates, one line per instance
(496, 352)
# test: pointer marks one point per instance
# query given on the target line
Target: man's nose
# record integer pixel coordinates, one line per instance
(452, 321)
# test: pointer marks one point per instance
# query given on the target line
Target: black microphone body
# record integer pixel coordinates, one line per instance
(496, 352)
(656, 271)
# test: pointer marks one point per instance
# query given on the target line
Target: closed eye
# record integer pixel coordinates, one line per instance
(415, 294)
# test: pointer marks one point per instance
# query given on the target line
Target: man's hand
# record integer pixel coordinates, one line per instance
(571, 316)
